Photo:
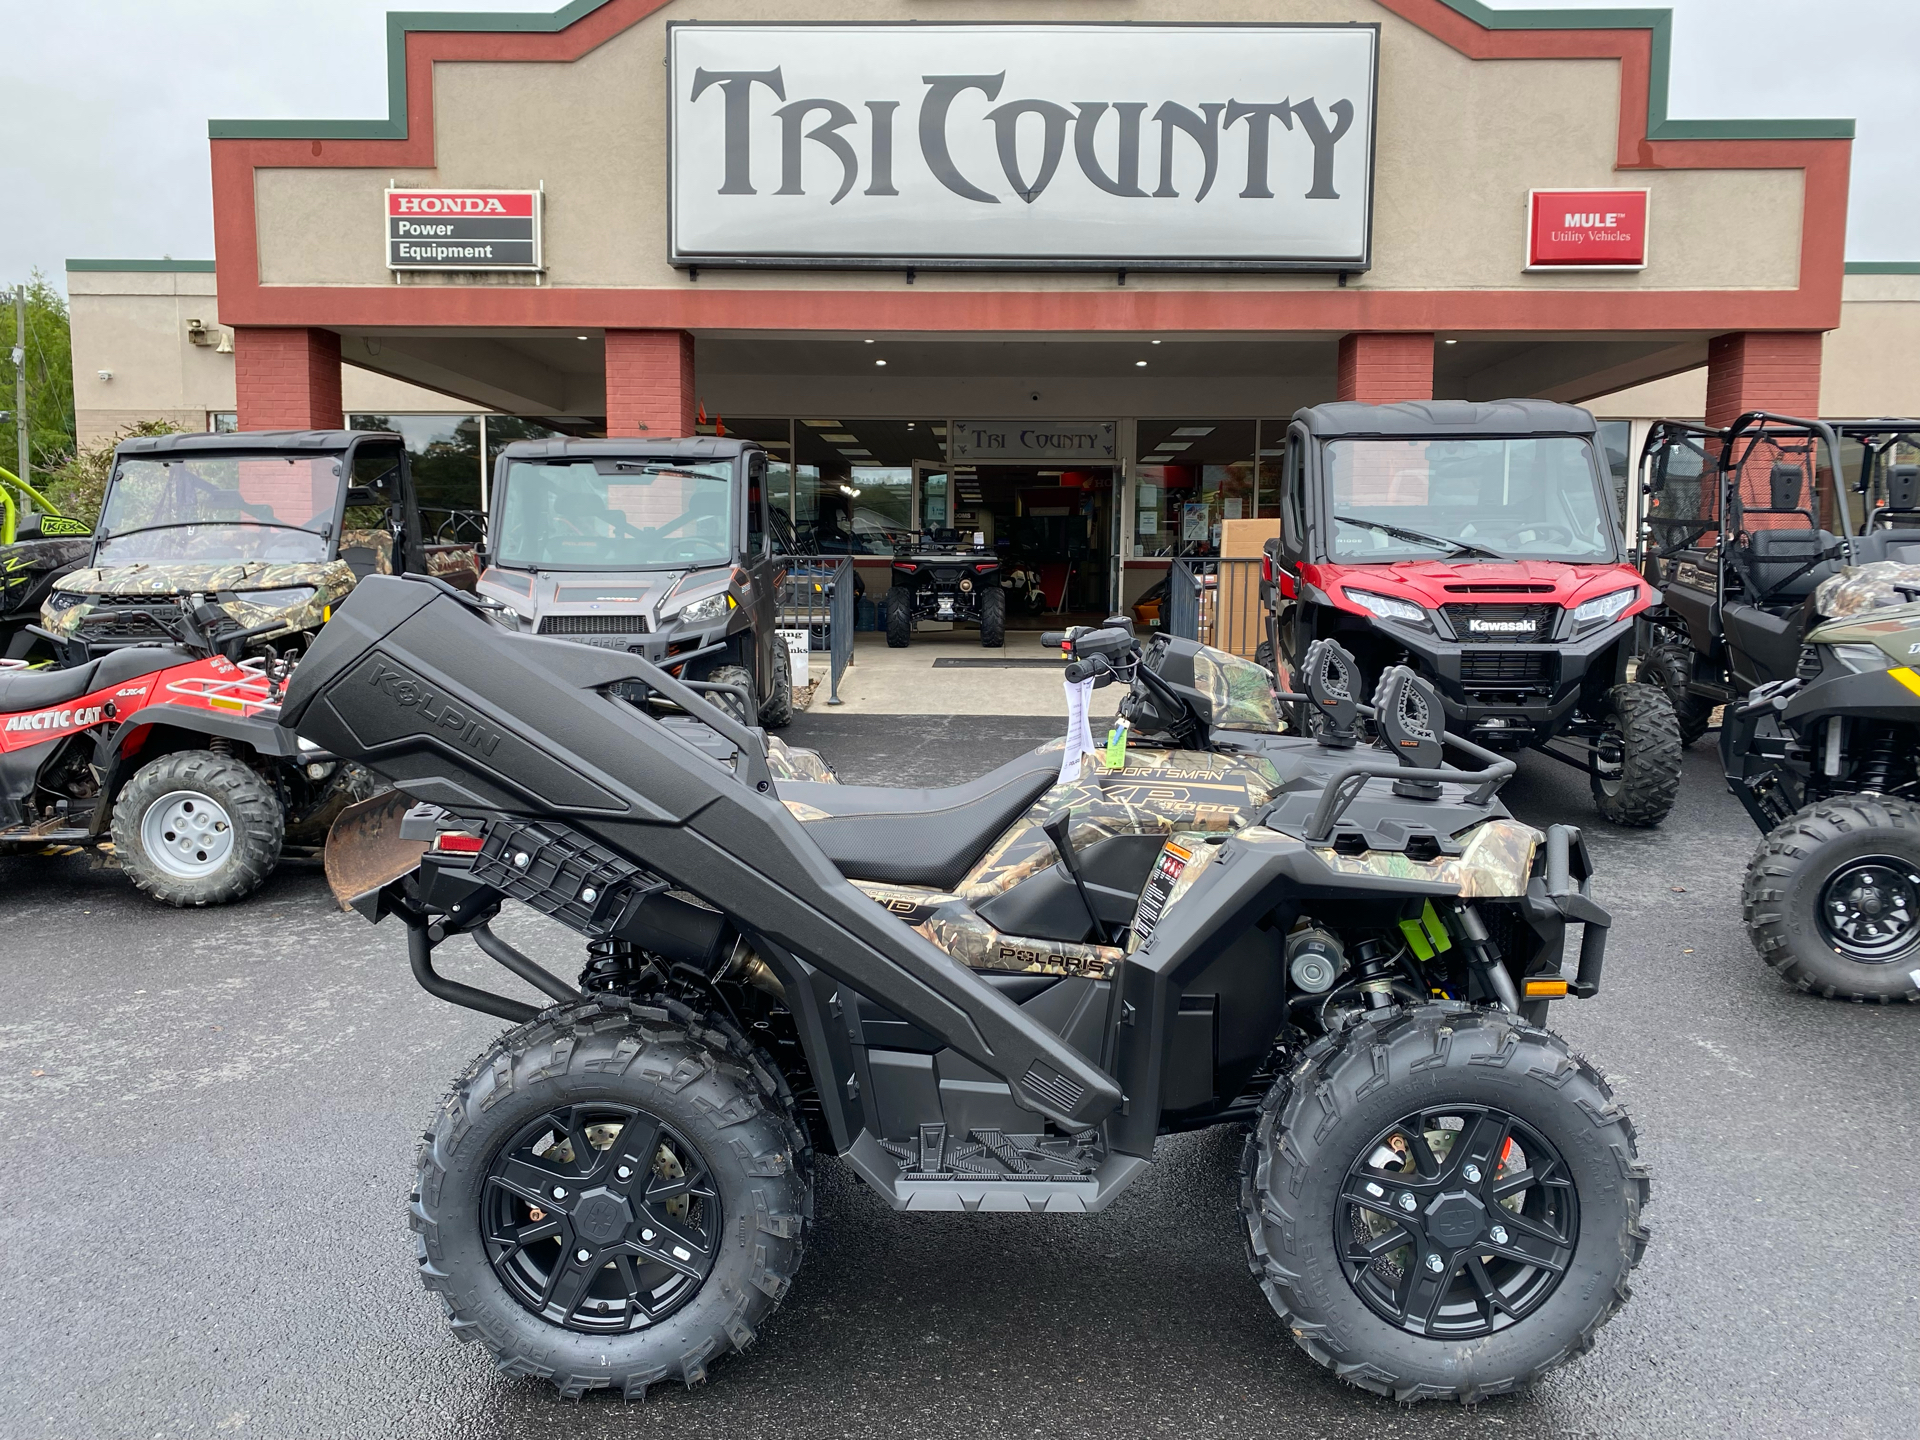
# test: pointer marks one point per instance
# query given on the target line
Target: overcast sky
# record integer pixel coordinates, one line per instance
(103, 136)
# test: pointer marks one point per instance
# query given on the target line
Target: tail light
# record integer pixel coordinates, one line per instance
(983, 569)
(1266, 567)
(453, 842)
(908, 568)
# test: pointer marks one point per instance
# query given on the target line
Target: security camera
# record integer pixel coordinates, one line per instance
(104, 374)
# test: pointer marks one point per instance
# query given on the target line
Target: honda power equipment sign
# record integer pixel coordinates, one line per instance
(1587, 230)
(1000, 146)
(463, 229)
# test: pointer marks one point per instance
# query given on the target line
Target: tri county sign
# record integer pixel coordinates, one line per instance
(1012, 146)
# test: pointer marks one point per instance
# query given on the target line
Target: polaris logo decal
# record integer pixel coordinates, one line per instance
(55, 719)
(410, 694)
(1501, 627)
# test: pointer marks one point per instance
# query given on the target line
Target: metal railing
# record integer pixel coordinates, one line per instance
(1217, 602)
(817, 597)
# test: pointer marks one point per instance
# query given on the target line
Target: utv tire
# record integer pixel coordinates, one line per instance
(1668, 668)
(196, 828)
(898, 611)
(1648, 782)
(725, 1126)
(1800, 900)
(777, 713)
(734, 675)
(1263, 657)
(1348, 1096)
(993, 617)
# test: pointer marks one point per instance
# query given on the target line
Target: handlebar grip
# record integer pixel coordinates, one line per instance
(1079, 670)
(1052, 639)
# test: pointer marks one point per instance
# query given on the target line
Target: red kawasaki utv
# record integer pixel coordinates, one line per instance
(1476, 543)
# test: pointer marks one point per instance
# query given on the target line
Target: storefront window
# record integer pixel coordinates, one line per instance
(1273, 454)
(1191, 476)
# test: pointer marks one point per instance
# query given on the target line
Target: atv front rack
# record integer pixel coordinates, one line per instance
(1347, 783)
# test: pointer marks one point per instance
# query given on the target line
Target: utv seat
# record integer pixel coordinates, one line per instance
(38, 689)
(1900, 546)
(920, 837)
(1775, 568)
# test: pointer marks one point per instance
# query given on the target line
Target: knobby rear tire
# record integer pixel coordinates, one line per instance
(1649, 779)
(1669, 668)
(993, 617)
(709, 1085)
(259, 827)
(899, 617)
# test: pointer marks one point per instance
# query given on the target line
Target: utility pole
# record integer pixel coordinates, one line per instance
(20, 379)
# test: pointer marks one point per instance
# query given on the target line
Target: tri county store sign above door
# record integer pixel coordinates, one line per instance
(1010, 146)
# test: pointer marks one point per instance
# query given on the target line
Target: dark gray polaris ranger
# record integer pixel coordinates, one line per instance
(657, 548)
(992, 997)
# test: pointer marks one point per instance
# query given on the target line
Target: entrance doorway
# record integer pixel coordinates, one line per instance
(1052, 527)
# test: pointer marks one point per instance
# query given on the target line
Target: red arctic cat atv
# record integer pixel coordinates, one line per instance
(170, 752)
(1475, 543)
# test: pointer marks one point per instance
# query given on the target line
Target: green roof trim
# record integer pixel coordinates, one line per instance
(1883, 267)
(186, 267)
(1659, 22)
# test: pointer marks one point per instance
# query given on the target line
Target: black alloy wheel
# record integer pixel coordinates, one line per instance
(1869, 910)
(1457, 1222)
(600, 1218)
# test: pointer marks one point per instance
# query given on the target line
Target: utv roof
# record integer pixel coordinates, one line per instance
(249, 440)
(667, 447)
(1446, 417)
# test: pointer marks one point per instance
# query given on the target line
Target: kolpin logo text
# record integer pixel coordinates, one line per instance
(411, 694)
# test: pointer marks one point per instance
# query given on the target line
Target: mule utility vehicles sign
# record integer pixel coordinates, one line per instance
(463, 229)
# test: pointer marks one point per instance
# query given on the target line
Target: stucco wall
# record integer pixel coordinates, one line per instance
(133, 323)
(1459, 144)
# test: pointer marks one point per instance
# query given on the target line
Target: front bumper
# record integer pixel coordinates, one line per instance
(1515, 691)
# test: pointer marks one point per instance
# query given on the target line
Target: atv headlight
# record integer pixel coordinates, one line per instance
(1387, 608)
(1862, 659)
(1604, 607)
(714, 607)
(61, 601)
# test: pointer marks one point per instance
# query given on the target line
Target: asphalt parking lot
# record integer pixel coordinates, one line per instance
(207, 1122)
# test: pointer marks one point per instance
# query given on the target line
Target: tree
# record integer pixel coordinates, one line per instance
(49, 367)
(79, 483)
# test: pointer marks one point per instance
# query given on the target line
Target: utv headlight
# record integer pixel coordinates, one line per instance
(275, 599)
(60, 601)
(714, 607)
(1862, 659)
(1604, 607)
(1386, 607)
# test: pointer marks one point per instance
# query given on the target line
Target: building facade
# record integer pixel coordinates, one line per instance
(1056, 272)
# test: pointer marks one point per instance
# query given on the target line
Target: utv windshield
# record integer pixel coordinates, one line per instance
(615, 515)
(1536, 498)
(199, 509)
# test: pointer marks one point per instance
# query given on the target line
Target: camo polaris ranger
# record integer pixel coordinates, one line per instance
(217, 559)
(662, 548)
(994, 997)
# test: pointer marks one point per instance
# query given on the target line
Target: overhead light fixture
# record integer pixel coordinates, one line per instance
(822, 424)
(583, 337)
(841, 438)
(1153, 342)
(1046, 474)
(879, 362)
(1174, 445)
(853, 490)
(1140, 364)
(1194, 430)
(1449, 342)
(867, 342)
(909, 424)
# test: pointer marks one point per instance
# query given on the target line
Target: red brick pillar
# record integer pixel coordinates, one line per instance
(1383, 369)
(287, 379)
(1777, 370)
(649, 382)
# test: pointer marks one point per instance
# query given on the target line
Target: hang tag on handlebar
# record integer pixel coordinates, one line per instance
(1116, 751)
(1330, 677)
(1412, 726)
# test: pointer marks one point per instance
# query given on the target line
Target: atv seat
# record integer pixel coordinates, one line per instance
(37, 689)
(920, 837)
(1782, 567)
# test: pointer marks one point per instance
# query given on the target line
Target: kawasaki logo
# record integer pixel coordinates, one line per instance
(410, 694)
(54, 719)
(1501, 627)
